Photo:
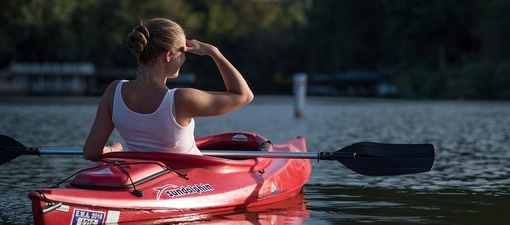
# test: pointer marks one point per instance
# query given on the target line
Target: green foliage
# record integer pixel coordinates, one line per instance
(345, 35)
(493, 30)
(418, 30)
(254, 35)
(484, 79)
(438, 48)
(420, 82)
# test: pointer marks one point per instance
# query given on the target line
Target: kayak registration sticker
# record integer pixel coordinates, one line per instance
(87, 217)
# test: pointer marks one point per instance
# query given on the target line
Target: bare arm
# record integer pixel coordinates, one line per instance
(198, 103)
(102, 128)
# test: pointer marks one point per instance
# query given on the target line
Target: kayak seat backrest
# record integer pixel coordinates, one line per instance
(237, 141)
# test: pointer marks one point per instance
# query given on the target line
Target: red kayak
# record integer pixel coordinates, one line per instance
(130, 187)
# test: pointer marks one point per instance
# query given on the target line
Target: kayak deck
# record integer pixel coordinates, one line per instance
(134, 186)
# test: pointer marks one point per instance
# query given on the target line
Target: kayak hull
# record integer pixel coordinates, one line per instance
(129, 187)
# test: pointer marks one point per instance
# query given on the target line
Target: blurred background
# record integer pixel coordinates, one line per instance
(376, 48)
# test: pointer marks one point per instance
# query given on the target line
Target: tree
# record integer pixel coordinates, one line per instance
(345, 35)
(434, 33)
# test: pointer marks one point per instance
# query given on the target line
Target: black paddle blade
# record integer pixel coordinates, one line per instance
(377, 159)
(6, 156)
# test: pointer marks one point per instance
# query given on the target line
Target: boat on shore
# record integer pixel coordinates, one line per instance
(131, 187)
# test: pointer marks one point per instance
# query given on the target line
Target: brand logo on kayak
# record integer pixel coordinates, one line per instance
(175, 191)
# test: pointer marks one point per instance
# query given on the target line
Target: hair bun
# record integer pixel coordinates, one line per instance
(138, 38)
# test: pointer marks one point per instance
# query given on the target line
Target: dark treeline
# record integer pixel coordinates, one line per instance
(429, 48)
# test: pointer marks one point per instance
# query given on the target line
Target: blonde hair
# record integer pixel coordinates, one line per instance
(149, 40)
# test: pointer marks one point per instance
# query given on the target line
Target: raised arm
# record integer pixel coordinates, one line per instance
(192, 102)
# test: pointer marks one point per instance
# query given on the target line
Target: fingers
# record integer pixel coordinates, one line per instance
(191, 45)
(190, 42)
(198, 48)
(116, 146)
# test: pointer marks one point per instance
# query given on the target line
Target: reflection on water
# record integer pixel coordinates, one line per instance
(390, 206)
(469, 183)
(289, 211)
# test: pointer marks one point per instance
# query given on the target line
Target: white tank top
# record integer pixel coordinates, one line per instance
(154, 132)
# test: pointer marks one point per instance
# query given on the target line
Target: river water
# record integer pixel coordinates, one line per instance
(469, 183)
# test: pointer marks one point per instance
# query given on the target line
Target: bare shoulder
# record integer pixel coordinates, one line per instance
(196, 95)
(189, 100)
(111, 88)
(189, 94)
(108, 94)
(113, 85)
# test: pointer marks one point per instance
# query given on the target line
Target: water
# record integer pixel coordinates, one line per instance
(469, 183)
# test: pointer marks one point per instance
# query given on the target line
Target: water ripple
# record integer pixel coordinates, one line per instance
(469, 181)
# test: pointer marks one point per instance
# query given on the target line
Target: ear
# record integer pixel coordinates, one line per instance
(167, 56)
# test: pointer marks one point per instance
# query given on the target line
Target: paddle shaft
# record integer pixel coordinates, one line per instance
(218, 153)
(366, 158)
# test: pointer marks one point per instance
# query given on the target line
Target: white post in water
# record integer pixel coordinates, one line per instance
(300, 80)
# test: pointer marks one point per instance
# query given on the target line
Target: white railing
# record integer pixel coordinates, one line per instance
(52, 78)
(52, 69)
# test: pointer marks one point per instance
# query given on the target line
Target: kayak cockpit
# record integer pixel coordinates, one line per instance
(120, 170)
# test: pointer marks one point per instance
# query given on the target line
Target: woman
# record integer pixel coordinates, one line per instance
(147, 114)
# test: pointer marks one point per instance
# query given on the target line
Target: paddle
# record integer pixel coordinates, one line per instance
(366, 158)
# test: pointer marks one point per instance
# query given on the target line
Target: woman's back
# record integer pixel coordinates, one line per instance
(142, 99)
(151, 125)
